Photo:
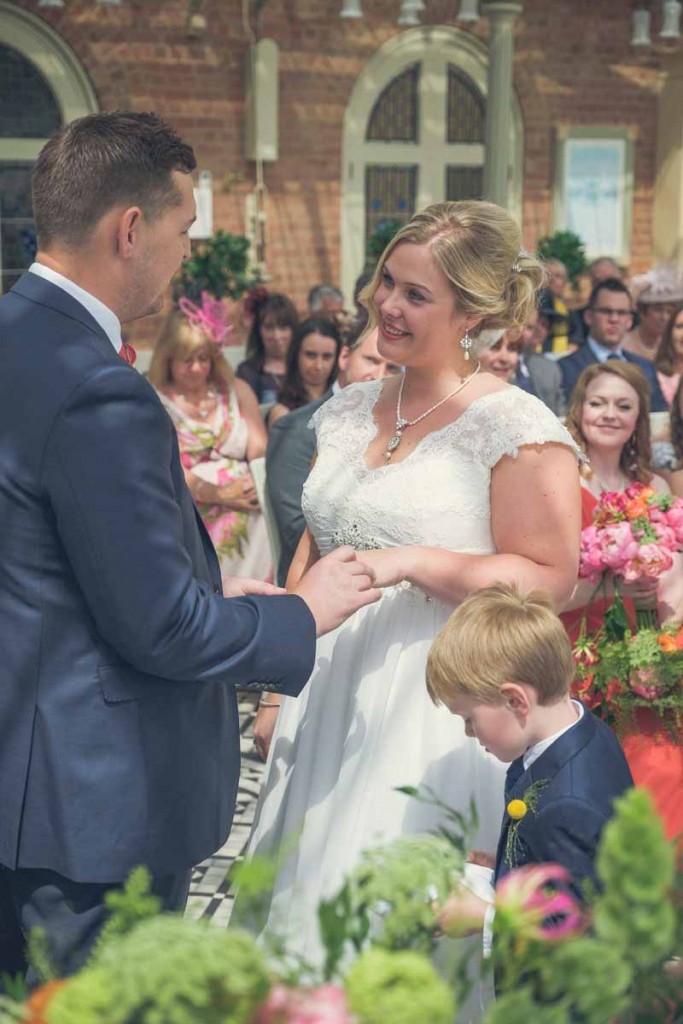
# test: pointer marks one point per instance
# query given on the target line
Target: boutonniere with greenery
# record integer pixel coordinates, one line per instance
(517, 810)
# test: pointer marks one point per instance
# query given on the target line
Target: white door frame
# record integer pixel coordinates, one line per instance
(433, 47)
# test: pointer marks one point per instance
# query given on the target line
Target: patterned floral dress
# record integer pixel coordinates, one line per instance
(216, 451)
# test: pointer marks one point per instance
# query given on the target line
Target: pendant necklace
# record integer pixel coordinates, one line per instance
(208, 397)
(401, 424)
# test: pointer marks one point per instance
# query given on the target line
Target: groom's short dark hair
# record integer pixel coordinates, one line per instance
(121, 158)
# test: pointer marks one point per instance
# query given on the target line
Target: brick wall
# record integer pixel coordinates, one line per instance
(573, 66)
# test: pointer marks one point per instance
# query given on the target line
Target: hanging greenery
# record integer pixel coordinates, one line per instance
(568, 247)
(220, 266)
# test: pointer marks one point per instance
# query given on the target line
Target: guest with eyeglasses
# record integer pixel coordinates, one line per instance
(609, 317)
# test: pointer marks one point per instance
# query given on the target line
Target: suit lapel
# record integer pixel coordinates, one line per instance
(44, 293)
(543, 769)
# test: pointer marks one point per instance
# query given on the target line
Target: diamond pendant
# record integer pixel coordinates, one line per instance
(393, 445)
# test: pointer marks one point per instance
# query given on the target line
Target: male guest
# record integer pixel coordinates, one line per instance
(291, 444)
(120, 741)
(536, 372)
(598, 270)
(609, 316)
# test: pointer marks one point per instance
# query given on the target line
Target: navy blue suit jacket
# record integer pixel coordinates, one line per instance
(573, 365)
(584, 770)
(119, 733)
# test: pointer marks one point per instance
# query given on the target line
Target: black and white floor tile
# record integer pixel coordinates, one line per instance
(210, 894)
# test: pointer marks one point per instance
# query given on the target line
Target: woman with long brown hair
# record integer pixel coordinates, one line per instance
(609, 418)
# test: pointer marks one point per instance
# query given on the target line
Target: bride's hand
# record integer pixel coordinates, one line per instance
(391, 565)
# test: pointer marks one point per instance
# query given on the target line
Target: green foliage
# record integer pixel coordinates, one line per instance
(87, 999)
(521, 1007)
(129, 906)
(600, 978)
(379, 240)
(565, 246)
(636, 866)
(398, 988)
(38, 955)
(399, 881)
(168, 971)
(219, 266)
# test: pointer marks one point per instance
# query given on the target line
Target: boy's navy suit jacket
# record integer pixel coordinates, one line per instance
(119, 733)
(584, 770)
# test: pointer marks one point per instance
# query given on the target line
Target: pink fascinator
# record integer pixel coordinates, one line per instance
(210, 316)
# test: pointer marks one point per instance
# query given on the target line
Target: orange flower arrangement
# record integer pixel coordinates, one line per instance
(40, 1000)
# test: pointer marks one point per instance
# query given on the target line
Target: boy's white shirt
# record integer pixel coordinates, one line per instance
(476, 883)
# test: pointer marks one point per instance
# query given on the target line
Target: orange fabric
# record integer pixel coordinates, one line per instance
(654, 757)
(656, 763)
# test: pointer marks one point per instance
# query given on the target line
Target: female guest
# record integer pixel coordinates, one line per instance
(446, 479)
(609, 418)
(676, 477)
(311, 365)
(669, 358)
(273, 321)
(220, 429)
(501, 358)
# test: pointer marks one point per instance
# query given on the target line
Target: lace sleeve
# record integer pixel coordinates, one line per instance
(505, 421)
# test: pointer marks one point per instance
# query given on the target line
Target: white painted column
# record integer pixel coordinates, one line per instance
(502, 15)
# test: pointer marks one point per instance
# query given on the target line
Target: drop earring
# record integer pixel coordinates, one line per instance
(466, 342)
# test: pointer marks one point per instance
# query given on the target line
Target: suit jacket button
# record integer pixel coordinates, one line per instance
(216, 589)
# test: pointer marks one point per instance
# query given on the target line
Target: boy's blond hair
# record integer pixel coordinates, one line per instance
(499, 636)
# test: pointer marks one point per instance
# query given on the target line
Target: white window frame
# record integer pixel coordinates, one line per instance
(434, 48)
(58, 64)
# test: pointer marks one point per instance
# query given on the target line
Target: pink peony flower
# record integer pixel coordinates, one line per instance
(674, 520)
(324, 1005)
(649, 560)
(534, 901)
(591, 565)
(619, 546)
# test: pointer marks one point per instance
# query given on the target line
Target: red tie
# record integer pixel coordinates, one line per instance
(128, 353)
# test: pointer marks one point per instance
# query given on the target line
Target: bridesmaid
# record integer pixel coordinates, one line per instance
(609, 419)
(220, 430)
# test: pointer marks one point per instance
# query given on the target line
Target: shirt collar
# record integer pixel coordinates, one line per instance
(534, 752)
(105, 317)
(601, 352)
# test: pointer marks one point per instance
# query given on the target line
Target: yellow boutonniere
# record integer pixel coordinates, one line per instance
(518, 809)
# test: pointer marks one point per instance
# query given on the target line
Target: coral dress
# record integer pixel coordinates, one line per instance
(654, 756)
(216, 451)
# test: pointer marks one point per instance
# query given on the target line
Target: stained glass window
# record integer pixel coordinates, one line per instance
(465, 113)
(395, 115)
(28, 109)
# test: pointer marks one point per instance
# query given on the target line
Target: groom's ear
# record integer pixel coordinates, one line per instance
(516, 698)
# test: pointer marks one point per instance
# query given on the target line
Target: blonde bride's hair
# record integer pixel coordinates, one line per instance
(478, 246)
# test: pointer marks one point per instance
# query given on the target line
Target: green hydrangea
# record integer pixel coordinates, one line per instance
(520, 1007)
(636, 866)
(593, 974)
(400, 880)
(87, 999)
(170, 971)
(398, 988)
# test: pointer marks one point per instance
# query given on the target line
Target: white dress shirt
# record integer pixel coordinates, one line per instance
(108, 320)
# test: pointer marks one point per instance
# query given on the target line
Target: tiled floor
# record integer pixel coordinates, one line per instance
(209, 893)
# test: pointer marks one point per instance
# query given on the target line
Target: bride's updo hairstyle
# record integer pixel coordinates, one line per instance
(478, 246)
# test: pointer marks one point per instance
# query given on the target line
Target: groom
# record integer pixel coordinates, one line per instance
(119, 740)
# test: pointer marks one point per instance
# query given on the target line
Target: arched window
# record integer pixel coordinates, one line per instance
(42, 86)
(414, 135)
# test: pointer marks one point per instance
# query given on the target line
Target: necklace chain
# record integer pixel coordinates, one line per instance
(208, 396)
(401, 424)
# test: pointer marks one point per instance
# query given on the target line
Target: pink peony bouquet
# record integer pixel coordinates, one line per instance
(634, 534)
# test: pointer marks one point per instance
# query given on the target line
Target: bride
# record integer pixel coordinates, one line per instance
(447, 479)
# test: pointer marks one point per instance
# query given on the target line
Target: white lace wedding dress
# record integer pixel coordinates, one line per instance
(365, 724)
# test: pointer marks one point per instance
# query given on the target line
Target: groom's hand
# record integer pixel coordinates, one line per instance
(335, 587)
(239, 587)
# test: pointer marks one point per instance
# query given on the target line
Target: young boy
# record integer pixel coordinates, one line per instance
(503, 662)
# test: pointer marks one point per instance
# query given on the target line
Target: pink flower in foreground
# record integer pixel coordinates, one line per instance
(535, 903)
(324, 1005)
